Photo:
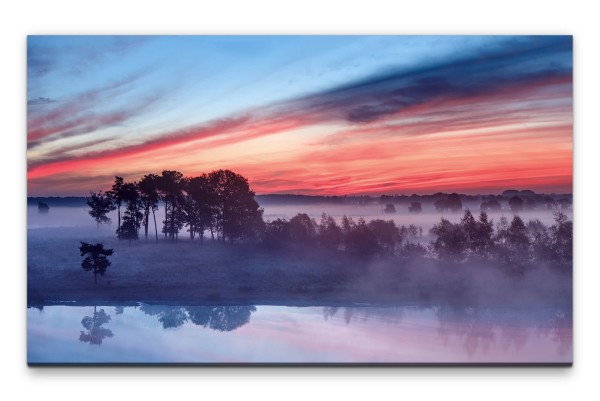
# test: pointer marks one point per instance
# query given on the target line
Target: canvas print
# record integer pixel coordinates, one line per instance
(299, 200)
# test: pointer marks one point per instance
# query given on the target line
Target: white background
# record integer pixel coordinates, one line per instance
(19, 18)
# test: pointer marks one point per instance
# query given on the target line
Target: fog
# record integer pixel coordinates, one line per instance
(293, 274)
(68, 216)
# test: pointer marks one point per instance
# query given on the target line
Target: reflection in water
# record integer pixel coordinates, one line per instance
(95, 333)
(413, 334)
(477, 328)
(169, 316)
(480, 328)
(389, 315)
(221, 318)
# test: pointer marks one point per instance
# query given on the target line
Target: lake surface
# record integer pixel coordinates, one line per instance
(253, 334)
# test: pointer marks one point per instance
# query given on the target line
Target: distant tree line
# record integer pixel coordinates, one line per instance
(516, 201)
(220, 202)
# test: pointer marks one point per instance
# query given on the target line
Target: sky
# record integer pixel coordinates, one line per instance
(316, 115)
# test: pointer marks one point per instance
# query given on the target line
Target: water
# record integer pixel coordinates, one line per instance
(255, 334)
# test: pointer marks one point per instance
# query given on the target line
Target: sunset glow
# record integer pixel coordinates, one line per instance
(306, 115)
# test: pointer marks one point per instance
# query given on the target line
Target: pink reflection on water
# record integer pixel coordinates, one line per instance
(313, 334)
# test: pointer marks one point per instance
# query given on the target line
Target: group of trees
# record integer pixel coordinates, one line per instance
(515, 244)
(220, 202)
(358, 238)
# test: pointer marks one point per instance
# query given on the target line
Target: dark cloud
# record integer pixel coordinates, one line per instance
(517, 62)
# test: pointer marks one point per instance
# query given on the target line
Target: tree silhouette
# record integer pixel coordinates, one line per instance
(132, 217)
(330, 234)
(491, 205)
(562, 240)
(385, 233)
(171, 185)
(100, 205)
(452, 202)
(389, 208)
(515, 203)
(200, 206)
(360, 240)
(96, 258)
(276, 234)
(302, 229)
(451, 241)
(95, 334)
(238, 214)
(148, 187)
(43, 207)
(116, 196)
(415, 207)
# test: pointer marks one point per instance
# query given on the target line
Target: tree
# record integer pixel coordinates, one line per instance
(238, 214)
(148, 188)
(100, 205)
(517, 238)
(330, 234)
(43, 207)
(415, 207)
(440, 205)
(515, 203)
(203, 200)
(96, 258)
(484, 243)
(360, 240)
(513, 244)
(386, 234)
(490, 205)
(170, 185)
(132, 217)
(469, 226)
(117, 197)
(562, 240)
(302, 229)
(389, 208)
(454, 203)
(276, 233)
(451, 241)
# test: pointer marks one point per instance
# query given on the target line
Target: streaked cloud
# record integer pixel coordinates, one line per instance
(482, 119)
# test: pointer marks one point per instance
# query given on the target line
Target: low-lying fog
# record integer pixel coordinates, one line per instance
(66, 216)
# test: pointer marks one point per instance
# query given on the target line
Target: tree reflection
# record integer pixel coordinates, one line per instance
(95, 333)
(221, 318)
(558, 327)
(388, 315)
(479, 327)
(170, 316)
(474, 327)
